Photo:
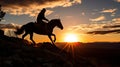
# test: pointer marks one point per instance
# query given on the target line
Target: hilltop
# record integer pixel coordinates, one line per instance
(16, 52)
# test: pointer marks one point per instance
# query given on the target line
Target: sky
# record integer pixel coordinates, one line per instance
(90, 20)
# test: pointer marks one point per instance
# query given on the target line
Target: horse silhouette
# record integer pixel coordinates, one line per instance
(43, 29)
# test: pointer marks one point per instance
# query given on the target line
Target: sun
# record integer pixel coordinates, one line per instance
(71, 38)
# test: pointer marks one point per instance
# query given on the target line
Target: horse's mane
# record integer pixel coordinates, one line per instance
(54, 20)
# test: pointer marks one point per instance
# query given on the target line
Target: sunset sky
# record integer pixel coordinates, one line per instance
(90, 20)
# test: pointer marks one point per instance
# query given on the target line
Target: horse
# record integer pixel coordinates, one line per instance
(42, 29)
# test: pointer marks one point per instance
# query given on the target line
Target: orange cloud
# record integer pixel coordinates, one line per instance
(109, 11)
(95, 28)
(32, 7)
(117, 1)
(9, 26)
(100, 18)
(116, 20)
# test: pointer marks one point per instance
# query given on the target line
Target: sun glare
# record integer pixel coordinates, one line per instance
(71, 38)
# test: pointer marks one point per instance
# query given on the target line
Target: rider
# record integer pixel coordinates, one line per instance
(41, 16)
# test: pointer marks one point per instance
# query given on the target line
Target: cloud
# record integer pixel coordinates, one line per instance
(106, 29)
(104, 32)
(32, 7)
(68, 3)
(9, 26)
(9, 29)
(100, 18)
(117, 1)
(95, 28)
(112, 11)
(116, 20)
(109, 11)
(83, 28)
(113, 26)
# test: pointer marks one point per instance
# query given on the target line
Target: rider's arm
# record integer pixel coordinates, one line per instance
(45, 19)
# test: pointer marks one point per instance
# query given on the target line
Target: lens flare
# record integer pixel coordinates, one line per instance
(71, 38)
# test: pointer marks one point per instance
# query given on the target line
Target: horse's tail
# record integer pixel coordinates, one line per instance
(20, 31)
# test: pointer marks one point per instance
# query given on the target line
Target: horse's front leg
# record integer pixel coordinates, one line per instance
(51, 39)
(54, 37)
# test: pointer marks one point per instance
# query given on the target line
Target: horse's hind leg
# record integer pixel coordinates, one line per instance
(31, 38)
(24, 35)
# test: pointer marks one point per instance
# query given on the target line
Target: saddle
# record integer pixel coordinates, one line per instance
(41, 25)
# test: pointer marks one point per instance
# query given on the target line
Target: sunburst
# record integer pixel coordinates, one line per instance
(71, 38)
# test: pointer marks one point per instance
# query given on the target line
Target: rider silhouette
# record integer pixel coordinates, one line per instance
(41, 16)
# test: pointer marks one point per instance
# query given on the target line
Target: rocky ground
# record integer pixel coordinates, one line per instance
(16, 52)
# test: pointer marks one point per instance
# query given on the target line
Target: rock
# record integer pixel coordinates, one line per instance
(1, 32)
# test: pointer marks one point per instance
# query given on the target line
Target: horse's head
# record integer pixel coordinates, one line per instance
(58, 23)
